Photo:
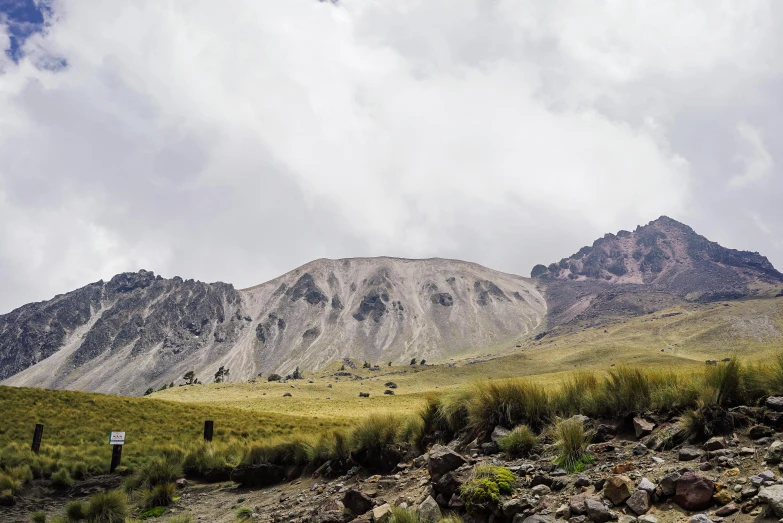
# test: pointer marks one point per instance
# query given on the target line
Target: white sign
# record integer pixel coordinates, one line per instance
(117, 438)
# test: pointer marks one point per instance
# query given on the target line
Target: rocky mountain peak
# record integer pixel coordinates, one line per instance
(664, 252)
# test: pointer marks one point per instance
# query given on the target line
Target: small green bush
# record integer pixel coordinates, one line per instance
(180, 519)
(405, 515)
(108, 507)
(39, 516)
(76, 511)
(519, 442)
(243, 513)
(159, 495)
(482, 492)
(571, 441)
(79, 470)
(62, 479)
(152, 512)
(160, 471)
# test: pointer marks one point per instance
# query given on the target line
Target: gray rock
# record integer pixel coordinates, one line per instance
(640, 449)
(382, 514)
(642, 427)
(647, 518)
(669, 484)
(775, 403)
(535, 518)
(577, 519)
(749, 491)
(625, 518)
(582, 481)
(540, 490)
(442, 460)
(563, 512)
(699, 518)
(639, 502)
(774, 453)
(598, 512)
(498, 433)
(512, 507)
(773, 496)
(715, 444)
(689, 453)
(646, 485)
(429, 510)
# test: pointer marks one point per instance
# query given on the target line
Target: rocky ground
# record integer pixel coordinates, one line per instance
(734, 477)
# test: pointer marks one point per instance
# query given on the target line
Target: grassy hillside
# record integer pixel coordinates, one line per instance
(676, 338)
(77, 426)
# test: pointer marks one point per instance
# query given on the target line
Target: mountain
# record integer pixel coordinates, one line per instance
(140, 330)
(656, 266)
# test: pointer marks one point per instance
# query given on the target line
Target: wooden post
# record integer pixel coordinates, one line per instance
(37, 437)
(209, 426)
(116, 458)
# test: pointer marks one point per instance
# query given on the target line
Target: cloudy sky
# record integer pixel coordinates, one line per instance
(237, 140)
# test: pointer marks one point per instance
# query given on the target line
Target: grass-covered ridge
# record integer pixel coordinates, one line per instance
(77, 426)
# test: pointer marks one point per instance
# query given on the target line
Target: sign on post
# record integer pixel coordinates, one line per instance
(117, 438)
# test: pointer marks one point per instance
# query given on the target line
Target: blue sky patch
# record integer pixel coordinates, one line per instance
(23, 18)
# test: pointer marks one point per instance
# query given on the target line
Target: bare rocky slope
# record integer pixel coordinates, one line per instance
(140, 330)
(656, 266)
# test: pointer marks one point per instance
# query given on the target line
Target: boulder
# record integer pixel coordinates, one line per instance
(598, 512)
(689, 453)
(498, 433)
(604, 433)
(577, 504)
(774, 452)
(382, 514)
(443, 460)
(257, 476)
(775, 403)
(357, 502)
(618, 488)
(693, 491)
(447, 484)
(669, 484)
(429, 510)
(540, 490)
(773, 496)
(760, 431)
(716, 443)
(647, 486)
(639, 502)
(515, 506)
(642, 427)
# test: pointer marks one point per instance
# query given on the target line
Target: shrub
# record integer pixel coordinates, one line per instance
(243, 513)
(79, 470)
(274, 377)
(210, 460)
(152, 512)
(728, 382)
(376, 431)
(405, 515)
(108, 507)
(160, 495)
(160, 471)
(295, 452)
(62, 479)
(507, 403)
(9, 484)
(708, 420)
(482, 492)
(451, 518)
(39, 516)
(571, 442)
(75, 511)
(519, 442)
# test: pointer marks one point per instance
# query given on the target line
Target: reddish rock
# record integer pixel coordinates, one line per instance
(693, 491)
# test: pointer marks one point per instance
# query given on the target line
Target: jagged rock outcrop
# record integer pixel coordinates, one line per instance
(656, 266)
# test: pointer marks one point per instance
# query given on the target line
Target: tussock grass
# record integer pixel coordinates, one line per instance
(160, 495)
(405, 515)
(571, 442)
(108, 507)
(519, 443)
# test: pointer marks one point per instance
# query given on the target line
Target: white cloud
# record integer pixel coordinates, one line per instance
(756, 161)
(237, 143)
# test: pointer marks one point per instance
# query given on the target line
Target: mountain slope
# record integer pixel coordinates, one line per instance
(658, 265)
(139, 330)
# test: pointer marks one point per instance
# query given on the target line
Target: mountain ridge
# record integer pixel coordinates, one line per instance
(139, 329)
